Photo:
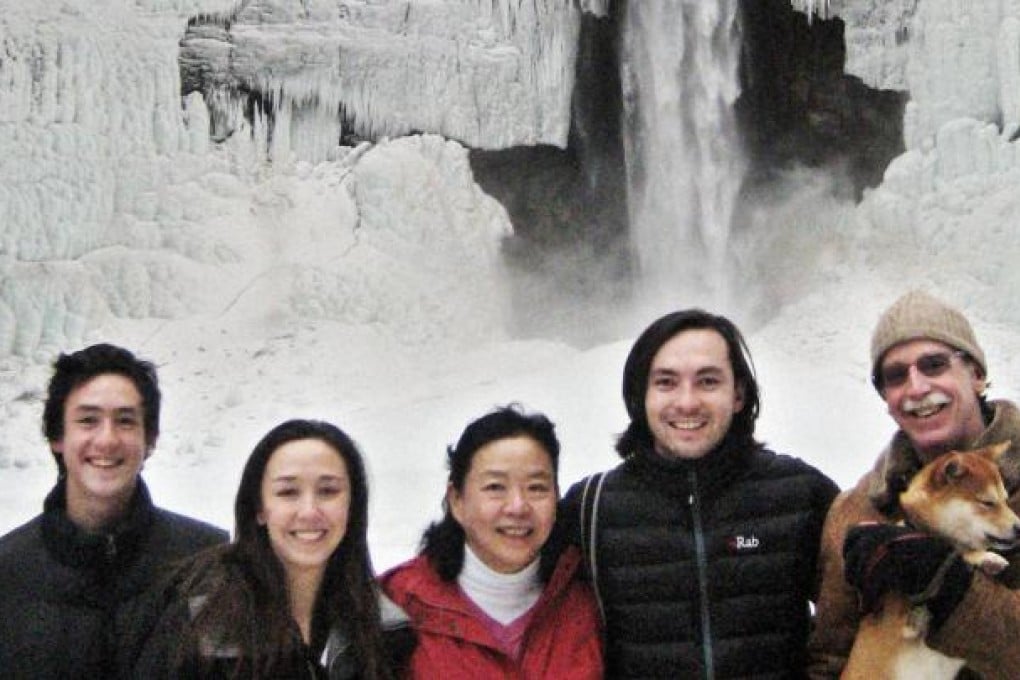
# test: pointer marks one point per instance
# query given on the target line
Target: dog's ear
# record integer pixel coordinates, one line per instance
(995, 451)
(952, 469)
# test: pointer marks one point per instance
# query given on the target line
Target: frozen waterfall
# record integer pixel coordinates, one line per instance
(684, 161)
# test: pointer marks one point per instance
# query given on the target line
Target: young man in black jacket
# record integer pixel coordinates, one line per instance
(76, 597)
(702, 544)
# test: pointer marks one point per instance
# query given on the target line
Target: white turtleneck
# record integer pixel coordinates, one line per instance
(504, 597)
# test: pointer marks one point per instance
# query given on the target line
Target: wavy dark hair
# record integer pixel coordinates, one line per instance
(253, 595)
(443, 541)
(638, 435)
(73, 370)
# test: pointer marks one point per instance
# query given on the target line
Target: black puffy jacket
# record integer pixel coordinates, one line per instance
(705, 568)
(75, 604)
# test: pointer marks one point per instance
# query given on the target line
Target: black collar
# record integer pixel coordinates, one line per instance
(75, 547)
(712, 472)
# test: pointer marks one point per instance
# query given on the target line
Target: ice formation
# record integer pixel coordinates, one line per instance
(115, 204)
(957, 60)
(120, 200)
(812, 7)
(952, 196)
(488, 74)
(684, 158)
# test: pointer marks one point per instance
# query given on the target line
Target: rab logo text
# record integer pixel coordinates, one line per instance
(738, 544)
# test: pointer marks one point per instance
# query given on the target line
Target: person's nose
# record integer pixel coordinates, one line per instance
(685, 397)
(917, 383)
(106, 433)
(518, 503)
(308, 505)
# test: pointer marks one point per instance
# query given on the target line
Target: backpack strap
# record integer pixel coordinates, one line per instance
(590, 498)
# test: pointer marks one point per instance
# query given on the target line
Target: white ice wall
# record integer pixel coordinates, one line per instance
(114, 204)
(957, 59)
(948, 205)
(489, 74)
(812, 7)
(88, 114)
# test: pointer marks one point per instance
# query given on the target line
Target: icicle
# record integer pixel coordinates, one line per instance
(1008, 58)
(812, 8)
(599, 8)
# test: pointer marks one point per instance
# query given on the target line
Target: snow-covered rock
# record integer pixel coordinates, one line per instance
(489, 74)
(957, 59)
(947, 205)
(116, 204)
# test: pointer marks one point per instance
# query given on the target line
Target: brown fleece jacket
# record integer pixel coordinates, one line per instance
(984, 628)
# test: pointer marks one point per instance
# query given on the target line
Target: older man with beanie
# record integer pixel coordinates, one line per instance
(702, 544)
(76, 582)
(932, 374)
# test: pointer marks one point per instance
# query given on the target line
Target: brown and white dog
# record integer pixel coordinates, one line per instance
(960, 497)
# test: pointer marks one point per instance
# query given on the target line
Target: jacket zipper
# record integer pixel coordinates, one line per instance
(111, 547)
(702, 568)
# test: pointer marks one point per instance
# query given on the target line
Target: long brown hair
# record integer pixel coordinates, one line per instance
(251, 593)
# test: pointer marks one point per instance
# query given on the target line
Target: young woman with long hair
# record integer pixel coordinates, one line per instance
(294, 594)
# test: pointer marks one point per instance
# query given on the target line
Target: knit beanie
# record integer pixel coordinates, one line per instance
(918, 315)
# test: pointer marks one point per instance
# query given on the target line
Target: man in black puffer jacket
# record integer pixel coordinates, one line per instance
(702, 544)
(76, 582)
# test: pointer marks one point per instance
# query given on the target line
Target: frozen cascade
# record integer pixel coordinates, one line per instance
(89, 110)
(685, 164)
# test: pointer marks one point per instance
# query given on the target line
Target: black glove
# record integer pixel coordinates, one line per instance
(879, 558)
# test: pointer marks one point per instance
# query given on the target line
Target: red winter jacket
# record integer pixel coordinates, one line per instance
(562, 640)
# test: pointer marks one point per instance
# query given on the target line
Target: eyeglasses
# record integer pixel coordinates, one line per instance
(929, 365)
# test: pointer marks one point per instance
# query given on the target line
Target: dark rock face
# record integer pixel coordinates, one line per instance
(569, 206)
(797, 106)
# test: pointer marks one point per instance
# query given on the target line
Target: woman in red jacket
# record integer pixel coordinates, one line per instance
(493, 592)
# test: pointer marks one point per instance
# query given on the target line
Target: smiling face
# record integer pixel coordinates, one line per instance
(691, 395)
(508, 504)
(937, 413)
(103, 448)
(305, 501)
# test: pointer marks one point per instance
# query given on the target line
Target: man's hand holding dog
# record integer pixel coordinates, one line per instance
(879, 558)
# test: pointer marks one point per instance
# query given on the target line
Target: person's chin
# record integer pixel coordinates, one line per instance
(108, 485)
(932, 441)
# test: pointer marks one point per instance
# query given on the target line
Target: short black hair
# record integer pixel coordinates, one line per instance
(71, 371)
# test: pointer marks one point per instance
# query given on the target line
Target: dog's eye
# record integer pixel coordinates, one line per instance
(989, 505)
